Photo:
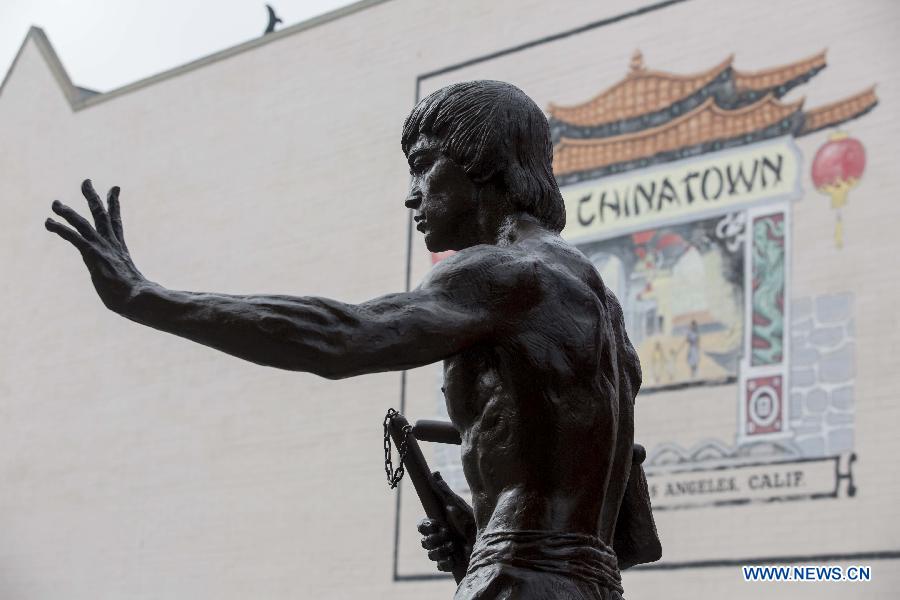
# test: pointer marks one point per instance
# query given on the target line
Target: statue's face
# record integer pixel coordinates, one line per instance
(444, 197)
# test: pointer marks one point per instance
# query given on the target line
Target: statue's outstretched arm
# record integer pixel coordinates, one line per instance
(449, 312)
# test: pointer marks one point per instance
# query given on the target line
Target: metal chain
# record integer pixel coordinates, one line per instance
(394, 475)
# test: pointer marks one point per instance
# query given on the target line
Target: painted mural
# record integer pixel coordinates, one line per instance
(714, 200)
(679, 189)
(681, 289)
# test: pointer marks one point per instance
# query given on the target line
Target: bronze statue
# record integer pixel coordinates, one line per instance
(540, 377)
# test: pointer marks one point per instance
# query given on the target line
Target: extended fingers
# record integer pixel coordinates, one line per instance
(115, 213)
(66, 234)
(101, 219)
(74, 219)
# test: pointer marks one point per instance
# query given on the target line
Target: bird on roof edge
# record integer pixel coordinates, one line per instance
(273, 20)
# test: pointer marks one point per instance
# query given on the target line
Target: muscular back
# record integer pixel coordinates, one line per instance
(542, 406)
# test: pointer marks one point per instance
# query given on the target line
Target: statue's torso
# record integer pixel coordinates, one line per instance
(538, 407)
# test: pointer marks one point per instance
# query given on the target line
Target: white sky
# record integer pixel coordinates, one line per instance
(105, 44)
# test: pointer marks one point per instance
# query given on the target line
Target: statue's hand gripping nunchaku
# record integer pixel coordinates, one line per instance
(412, 461)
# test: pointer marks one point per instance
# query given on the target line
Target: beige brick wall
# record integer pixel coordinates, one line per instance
(137, 465)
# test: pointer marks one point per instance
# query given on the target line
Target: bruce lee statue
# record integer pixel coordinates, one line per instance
(540, 377)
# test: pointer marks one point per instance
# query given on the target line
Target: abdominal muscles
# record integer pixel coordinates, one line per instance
(535, 457)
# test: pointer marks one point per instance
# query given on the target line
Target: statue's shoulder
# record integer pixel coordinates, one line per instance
(500, 267)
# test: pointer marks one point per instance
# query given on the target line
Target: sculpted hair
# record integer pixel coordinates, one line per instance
(495, 133)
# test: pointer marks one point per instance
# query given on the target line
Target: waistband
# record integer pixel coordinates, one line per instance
(584, 557)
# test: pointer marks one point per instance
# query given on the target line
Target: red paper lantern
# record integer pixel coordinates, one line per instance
(836, 168)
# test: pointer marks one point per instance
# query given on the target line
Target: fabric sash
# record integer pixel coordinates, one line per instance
(579, 556)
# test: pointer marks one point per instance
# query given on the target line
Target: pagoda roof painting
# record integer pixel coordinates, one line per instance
(647, 98)
(708, 125)
(840, 111)
(652, 117)
(640, 93)
(779, 80)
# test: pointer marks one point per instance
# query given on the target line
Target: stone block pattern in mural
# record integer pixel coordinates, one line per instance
(823, 369)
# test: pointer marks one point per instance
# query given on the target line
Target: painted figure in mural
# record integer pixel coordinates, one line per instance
(693, 348)
(657, 361)
(540, 377)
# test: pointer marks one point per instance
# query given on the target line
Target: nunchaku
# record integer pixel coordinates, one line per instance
(422, 478)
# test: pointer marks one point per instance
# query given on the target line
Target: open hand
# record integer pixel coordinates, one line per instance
(449, 543)
(102, 246)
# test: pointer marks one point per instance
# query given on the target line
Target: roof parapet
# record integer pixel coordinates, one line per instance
(80, 98)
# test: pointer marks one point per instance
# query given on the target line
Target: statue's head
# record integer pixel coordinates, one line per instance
(473, 144)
